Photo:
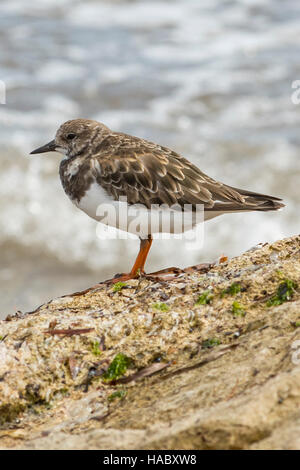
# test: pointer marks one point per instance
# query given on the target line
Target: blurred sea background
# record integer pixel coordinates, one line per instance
(211, 79)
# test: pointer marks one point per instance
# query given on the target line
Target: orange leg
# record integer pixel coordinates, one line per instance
(138, 267)
(140, 261)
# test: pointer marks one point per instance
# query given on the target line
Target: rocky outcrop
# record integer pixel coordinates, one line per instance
(203, 361)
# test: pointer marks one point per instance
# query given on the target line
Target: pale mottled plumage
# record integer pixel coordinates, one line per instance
(144, 172)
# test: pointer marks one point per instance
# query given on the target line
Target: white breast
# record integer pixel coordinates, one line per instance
(72, 168)
(94, 197)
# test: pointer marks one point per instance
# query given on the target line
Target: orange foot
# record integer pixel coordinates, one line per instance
(163, 275)
(121, 278)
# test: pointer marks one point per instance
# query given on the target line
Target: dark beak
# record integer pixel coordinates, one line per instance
(50, 147)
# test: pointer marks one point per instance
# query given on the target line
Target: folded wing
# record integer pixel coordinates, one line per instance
(147, 173)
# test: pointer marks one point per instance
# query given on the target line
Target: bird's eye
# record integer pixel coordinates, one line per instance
(71, 136)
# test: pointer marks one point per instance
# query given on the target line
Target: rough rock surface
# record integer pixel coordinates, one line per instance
(214, 362)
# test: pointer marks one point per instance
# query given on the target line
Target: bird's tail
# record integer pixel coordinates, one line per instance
(251, 201)
(260, 202)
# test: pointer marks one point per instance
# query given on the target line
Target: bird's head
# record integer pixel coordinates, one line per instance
(74, 137)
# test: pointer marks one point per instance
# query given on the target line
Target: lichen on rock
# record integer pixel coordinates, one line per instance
(203, 361)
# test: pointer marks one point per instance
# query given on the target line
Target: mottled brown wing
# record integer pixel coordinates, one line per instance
(147, 174)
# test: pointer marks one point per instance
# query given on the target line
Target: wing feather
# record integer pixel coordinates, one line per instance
(148, 173)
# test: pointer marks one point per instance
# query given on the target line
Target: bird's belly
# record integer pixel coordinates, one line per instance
(134, 218)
